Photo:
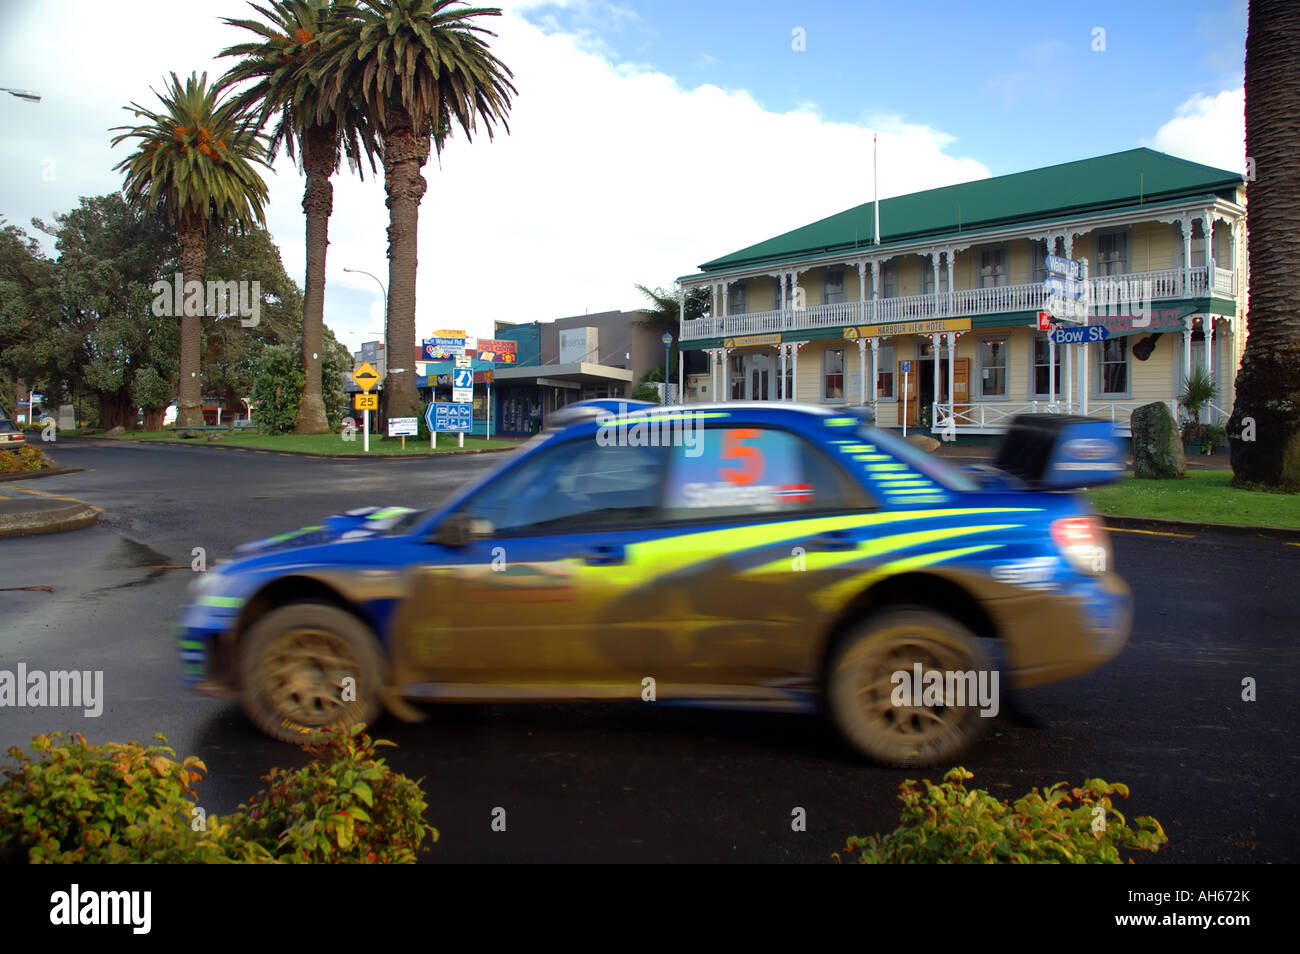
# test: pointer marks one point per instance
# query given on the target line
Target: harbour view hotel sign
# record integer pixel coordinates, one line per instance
(933, 326)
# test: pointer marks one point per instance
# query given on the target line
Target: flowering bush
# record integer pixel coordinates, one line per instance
(949, 824)
(27, 457)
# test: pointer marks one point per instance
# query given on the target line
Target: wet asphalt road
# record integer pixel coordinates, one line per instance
(642, 783)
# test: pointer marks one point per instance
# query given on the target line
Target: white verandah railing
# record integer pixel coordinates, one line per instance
(1169, 283)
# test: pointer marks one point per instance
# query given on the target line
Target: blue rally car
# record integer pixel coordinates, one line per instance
(760, 555)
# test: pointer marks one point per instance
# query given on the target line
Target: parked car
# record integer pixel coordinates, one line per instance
(11, 435)
(763, 555)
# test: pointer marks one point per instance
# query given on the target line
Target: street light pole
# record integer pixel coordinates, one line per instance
(668, 344)
(384, 289)
(26, 94)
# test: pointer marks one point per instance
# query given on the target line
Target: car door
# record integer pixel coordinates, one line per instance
(515, 612)
(734, 583)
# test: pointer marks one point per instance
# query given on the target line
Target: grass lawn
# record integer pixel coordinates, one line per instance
(325, 443)
(1203, 497)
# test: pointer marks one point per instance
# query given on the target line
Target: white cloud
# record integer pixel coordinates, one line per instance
(613, 173)
(1207, 129)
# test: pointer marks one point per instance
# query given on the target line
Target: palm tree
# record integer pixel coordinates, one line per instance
(193, 164)
(1264, 427)
(277, 83)
(418, 66)
(664, 313)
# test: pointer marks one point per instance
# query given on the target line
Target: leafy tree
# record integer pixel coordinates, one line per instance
(447, 76)
(275, 83)
(194, 164)
(1264, 427)
(277, 389)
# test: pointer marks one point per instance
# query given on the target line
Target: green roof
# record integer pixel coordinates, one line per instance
(1137, 176)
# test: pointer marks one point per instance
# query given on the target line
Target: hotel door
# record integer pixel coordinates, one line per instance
(760, 377)
(907, 387)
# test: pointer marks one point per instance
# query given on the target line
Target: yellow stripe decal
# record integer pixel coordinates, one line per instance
(834, 596)
(881, 546)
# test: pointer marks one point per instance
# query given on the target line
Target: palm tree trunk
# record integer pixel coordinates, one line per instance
(194, 253)
(404, 155)
(320, 155)
(1267, 409)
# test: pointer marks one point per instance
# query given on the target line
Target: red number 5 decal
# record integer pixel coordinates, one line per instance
(751, 458)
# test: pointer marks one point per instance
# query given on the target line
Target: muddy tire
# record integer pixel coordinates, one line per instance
(863, 698)
(294, 663)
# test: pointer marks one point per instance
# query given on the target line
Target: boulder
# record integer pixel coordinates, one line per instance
(923, 441)
(1157, 445)
(116, 431)
(214, 437)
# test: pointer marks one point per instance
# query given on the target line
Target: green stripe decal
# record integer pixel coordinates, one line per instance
(225, 602)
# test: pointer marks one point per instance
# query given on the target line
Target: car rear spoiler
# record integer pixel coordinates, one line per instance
(1060, 452)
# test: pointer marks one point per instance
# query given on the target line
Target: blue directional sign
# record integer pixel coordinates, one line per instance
(1069, 267)
(462, 378)
(1064, 336)
(1064, 287)
(907, 367)
(449, 417)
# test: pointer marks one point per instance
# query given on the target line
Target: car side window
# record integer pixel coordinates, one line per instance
(577, 485)
(736, 471)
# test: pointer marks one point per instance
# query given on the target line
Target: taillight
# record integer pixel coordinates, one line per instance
(1083, 542)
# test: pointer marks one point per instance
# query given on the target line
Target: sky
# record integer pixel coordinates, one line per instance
(649, 136)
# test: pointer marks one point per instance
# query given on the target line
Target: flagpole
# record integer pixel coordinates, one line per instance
(875, 186)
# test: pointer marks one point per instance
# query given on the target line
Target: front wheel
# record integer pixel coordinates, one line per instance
(307, 667)
(885, 712)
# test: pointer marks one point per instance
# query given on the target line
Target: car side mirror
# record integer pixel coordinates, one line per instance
(460, 528)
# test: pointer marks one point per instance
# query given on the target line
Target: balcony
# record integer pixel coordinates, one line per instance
(1170, 283)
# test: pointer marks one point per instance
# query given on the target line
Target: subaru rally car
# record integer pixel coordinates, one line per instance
(762, 555)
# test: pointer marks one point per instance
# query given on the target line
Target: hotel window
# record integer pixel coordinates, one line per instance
(927, 275)
(1042, 367)
(889, 279)
(993, 367)
(1038, 263)
(993, 267)
(1112, 369)
(833, 374)
(736, 298)
(885, 367)
(737, 377)
(777, 303)
(1112, 253)
(832, 286)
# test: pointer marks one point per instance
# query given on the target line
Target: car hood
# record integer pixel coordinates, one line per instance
(362, 524)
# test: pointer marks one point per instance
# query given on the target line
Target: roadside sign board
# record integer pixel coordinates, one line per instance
(443, 348)
(1068, 267)
(907, 367)
(403, 426)
(1063, 287)
(366, 376)
(365, 402)
(1067, 309)
(462, 361)
(1044, 321)
(449, 417)
(462, 385)
(1063, 336)
(492, 349)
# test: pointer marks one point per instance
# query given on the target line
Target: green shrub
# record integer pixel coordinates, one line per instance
(278, 389)
(109, 803)
(949, 824)
(344, 806)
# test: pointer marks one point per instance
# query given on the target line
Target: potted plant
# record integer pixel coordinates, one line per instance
(1199, 390)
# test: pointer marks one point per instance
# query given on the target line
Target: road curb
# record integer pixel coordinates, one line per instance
(1180, 526)
(426, 455)
(47, 472)
(73, 516)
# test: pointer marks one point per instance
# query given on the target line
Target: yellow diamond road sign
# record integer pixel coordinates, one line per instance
(366, 376)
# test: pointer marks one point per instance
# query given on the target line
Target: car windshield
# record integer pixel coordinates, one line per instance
(931, 466)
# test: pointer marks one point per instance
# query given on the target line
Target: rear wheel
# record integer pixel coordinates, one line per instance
(890, 718)
(307, 667)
